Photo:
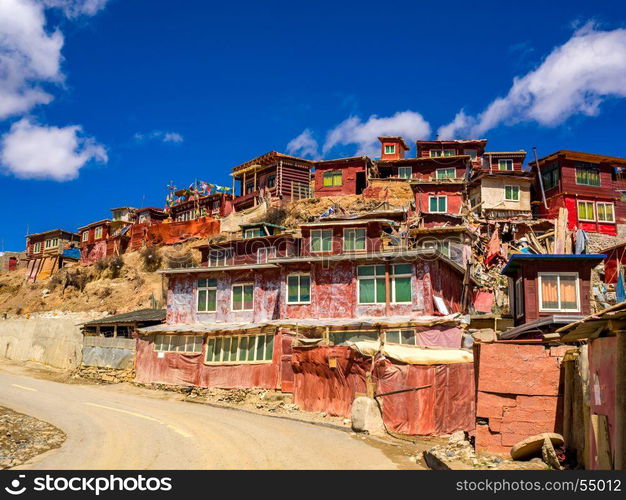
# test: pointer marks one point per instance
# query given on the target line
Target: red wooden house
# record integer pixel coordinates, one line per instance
(342, 176)
(590, 186)
(48, 252)
(474, 148)
(140, 230)
(274, 176)
(103, 238)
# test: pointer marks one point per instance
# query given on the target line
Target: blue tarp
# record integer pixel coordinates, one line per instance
(72, 253)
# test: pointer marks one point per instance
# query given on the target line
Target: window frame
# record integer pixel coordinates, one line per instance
(392, 282)
(605, 203)
(354, 229)
(321, 231)
(238, 337)
(519, 297)
(586, 202)
(178, 336)
(558, 274)
(85, 236)
(98, 233)
(51, 243)
(207, 288)
(500, 160)
(405, 169)
(333, 175)
(390, 149)
(400, 331)
(516, 188)
(373, 278)
(579, 169)
(437, 244)
(299, 275)
(37, 247)
(447, 169)
(243, 294)
(430, 197)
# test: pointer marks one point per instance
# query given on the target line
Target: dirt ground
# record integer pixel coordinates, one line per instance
(23, 437)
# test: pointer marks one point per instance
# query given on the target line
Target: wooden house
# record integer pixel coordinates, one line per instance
(342, 176)
(49, 251)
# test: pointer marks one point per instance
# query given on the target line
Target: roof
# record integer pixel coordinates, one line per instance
(366, 159)
(518, 258)
(538, 325)
(519, 152)
(613, 247)
(347, 222)
(150, 209)
(396, 138)
(454, 141)
(50, 232)
(139, 316)
(122, 208)
(257, 224)
(97, 223)
(266, 159)
(593, 325)
(580, 156)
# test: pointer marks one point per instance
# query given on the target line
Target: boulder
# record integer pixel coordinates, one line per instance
(366, 416)
(531, 446)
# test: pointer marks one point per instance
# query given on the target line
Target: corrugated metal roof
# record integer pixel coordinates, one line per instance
(138, 316)
(516, 257)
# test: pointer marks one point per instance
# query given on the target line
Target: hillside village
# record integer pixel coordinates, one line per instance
(415, 281)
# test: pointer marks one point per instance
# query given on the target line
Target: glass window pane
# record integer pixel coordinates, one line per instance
(233, 348)
(393, 337)
(217, 350)
(197, 346)
(549, 292)
(442, 204)
(328, 178)
(237, 297)
(269, 347)
(292, 289)
(211, 301)
(248, 297)
(380, 290)
(359, 243)
(402, 269)
(348, 240)
(568, 292)
(243, 348)
(202, 300)
(366, 291)
(260, 348)
(226, 349)
(316, 242)
(305, 288)
(365, 271)
(327, 237)
(210, 346)
(251, 346)
(403, 289)
(408, 337)
(433, 204)
(201, 283)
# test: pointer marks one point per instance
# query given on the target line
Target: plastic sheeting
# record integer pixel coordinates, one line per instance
(328, 378)
(414, 355)
(108, 357)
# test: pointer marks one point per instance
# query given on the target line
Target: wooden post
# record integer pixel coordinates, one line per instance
(115, 331)
(620, 401)
(568, 400)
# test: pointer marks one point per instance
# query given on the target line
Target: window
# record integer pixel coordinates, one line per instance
(587, 174)
(445, 173)
(401, 283)
(550, 176)
(405, 172)
(406, 337)
(253, 232)
(299, 289)
(271, 181)
(586, 211)
(519, 298)
(178, 343)
(371, 289)
(85, 236)
(37, 247)
(605, 212)
(437, 153)
(341, 337)
(354, 239)
(219, 257)
(215, 207)
(332, 178)
(390, 149)
(184, 216)
(511, 193)
(265, 253)
(505, 164)
(240, 349)
(321, 240)
(472, 153)
(437, 204)
(207, 295)
(51, 243)
(97, 234)
(249, 187)
(558, 292)
(442, 246)
(242, 297)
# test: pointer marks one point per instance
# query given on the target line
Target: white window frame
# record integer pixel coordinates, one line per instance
(299, 276)
(97, 233)
(578, 202)
(392, 279)
(502, 160)
(232, 296)
(238, 337)
(252, 231)
(264, 254)
(354, 229)
(612, 205)
(85, 236)
(373, 278)
(519, 192)
(445, 170)
(37, 247)
(169, 343)
(51, 243)
(206, 288)
(519, 297)
(321, 233)
(222, 255)
(390, 149)
(400, 330)
(438, 211)
(405, 169)
(437, 245)
(442, 153)
(559, 309)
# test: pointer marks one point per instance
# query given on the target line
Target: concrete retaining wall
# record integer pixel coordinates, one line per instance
(54, 341)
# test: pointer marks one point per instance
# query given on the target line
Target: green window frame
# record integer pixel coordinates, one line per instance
(505, 164)
(321, 240)
(445, 173)
(207, 295)
(586, 211)
(605, 211)
(371, 284)
(587, 175)
(299, 288)
(401, 292)
(511, 193)
(437, 204)
(190, 344)
(239, 349)
(332, 178)
(405, 172)
(403, 337)
(242, 297)
(354, 239)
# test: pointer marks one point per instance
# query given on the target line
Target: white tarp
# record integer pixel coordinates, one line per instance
(414, 355)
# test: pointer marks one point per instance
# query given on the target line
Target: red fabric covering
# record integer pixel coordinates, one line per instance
(445, 407)
(483, 301)
(440, 336)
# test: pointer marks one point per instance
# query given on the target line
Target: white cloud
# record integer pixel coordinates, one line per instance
(159, 135)
(304, 145)
(575, 78)
(75, 8)
(31, 151)
(364, 135)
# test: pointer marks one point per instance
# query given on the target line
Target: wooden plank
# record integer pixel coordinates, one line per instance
(600, 426)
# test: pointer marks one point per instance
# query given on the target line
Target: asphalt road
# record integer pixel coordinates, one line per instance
(109, 427)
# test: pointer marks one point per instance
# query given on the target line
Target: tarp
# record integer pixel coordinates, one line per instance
(414, 355)
(328, 379)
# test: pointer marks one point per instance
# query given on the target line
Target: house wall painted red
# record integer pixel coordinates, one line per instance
(454, 194)
(373, 241)
(615, 257)
(353, 176)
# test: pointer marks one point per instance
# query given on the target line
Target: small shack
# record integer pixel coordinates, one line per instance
(123, 325)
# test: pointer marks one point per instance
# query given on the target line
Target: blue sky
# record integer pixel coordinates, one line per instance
(120, 97)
